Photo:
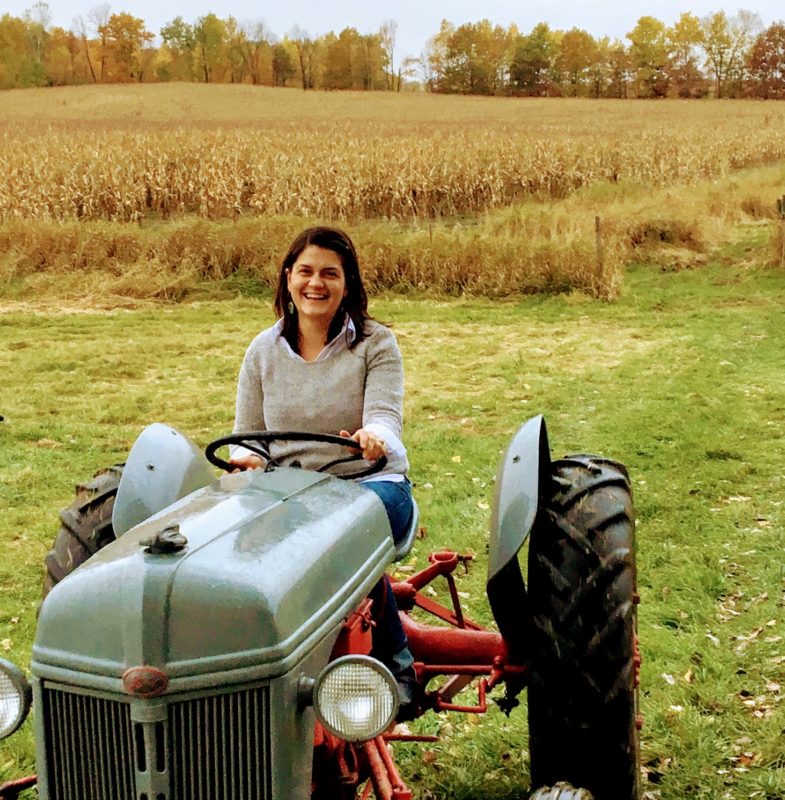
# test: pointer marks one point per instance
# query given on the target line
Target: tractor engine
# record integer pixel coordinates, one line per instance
(179, 662)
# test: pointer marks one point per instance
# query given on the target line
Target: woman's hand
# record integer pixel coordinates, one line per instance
(242, 463)
(372, 446)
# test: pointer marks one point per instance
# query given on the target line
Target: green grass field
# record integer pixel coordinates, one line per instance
(682, 378)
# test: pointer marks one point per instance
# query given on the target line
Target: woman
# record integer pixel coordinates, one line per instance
(327, 367)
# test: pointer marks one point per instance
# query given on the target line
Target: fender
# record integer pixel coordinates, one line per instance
(522, 476)
(163, 466)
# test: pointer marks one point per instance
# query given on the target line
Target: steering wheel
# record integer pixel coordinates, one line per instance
(256, 442)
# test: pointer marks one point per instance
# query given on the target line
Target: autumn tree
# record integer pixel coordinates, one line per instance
(766, 63)
(577, 51)
(387, 35)
(342, 54)
(649, 57)
(210, 38)
(79, 28)
(282, 65)
(684, 39)
(531, 68)
(14, 55)
(726, 41)
(179, 40)
(619, 70)
(471, 59)
(305, 48)
(38, 19)
(99, 18)
(62, 58)
(249, 52)
(127, 37)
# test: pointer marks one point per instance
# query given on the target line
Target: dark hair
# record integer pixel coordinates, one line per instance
(355, 304)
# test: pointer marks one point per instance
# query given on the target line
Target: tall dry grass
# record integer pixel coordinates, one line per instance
(175, 259)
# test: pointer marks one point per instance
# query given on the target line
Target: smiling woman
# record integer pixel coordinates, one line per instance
(326, 367)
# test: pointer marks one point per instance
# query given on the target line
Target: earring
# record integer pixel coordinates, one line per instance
(290, 307)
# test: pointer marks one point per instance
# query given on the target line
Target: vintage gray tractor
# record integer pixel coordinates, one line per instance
(214, 641)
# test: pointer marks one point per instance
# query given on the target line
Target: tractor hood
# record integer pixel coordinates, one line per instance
(271, 564)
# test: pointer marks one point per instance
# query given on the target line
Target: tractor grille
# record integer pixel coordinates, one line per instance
(89, 744)
(210, 748)
(220, 747)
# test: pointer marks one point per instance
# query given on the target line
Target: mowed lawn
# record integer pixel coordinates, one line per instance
(682, 378)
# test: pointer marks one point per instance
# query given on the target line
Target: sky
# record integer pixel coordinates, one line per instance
(417, 20)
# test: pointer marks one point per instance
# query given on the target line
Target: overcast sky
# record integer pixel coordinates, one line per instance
(417, 20)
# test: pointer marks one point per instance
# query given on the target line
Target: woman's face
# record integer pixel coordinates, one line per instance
(317, 284)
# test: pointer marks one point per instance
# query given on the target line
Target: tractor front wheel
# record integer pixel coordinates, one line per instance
(85, 526)
(583, 667)
(561, 791)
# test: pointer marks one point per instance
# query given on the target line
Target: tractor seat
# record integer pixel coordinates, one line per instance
(403, 548)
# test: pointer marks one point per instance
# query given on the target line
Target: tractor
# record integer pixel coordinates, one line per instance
(209, 638)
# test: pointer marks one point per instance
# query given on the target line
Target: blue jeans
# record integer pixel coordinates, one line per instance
(389, 641)
(397, 499)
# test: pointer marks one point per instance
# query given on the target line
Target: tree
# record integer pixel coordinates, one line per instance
(470, 59)
(766, 63)
(210, 36)
(725, 43)
(80, 31)
(341, 53)
(282, 66)
(38, 19)
(434, 58)
(371, 62)
(683, 41)
(15, 61)
(127, 37)
(179, 40)
(577, 53)
(649, 57)
(619, 69)
(99, 16)
(531, 68)
(305, 48)
(250, 51)
(387, 35)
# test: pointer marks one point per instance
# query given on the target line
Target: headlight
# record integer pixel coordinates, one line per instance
(14, 698)
(356, 698)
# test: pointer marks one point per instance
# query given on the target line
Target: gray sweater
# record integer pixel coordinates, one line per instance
(341, 389)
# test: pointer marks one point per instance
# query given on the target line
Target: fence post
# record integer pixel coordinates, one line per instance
(599, 247)
(781, 209)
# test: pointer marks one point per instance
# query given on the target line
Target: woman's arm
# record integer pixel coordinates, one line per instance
(249, 409)
(383, 399)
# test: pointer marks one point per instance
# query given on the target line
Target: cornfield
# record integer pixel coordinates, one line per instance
(329, 167)
(159, 188)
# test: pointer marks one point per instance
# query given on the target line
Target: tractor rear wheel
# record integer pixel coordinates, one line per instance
(583, 666)
(86, 526)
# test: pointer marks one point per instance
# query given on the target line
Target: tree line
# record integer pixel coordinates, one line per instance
(718, 55)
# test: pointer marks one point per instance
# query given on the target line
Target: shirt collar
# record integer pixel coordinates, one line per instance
(345, 337)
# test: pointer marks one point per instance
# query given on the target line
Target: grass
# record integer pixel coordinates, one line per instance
(682, 378)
